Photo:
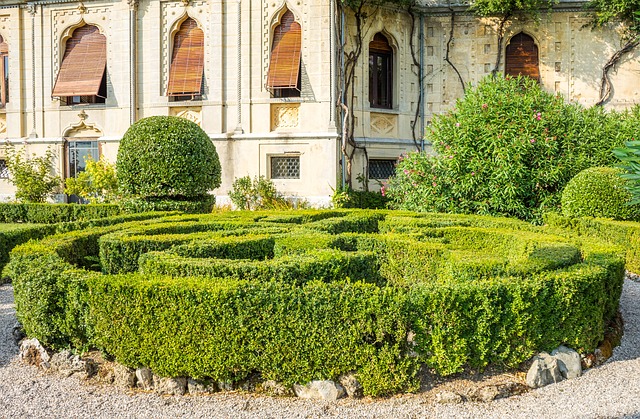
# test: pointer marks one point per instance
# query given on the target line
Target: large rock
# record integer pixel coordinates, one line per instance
(17, 333)
(319, 390)
(201, 386)
(123, 376)
(544, 371)
(351, 385)
(145, 378)
(448, 397)
(171, 386)
(275, 388)
(66, 363)
(33, 353)
(569, 362)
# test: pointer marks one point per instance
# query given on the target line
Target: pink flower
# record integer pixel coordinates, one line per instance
(538, 116)
(473, 173)
(458, 124)
(406, 172)
(434, 184)
(485, 106)
(532, 141)
(383, 190)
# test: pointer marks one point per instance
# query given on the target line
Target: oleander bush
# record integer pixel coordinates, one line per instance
(508, 148)
(599, 192)
(317, 294)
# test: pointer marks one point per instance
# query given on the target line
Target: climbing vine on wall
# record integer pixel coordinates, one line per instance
(606, 12)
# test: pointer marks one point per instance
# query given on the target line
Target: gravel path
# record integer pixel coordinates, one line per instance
(612, 390)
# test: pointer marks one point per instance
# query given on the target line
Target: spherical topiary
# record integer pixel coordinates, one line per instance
(598, 192)
(166, 157)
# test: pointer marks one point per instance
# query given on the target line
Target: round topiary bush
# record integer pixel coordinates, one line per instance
(166, 157)
(598, 192)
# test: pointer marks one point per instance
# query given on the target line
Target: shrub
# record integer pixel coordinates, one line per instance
(349, 198)
(508, 148)
(598, 192)
(97, 183)
(165, 157)
(259, 194)
(32, 176)
(630, 157)
(43, 213)
(449, 301)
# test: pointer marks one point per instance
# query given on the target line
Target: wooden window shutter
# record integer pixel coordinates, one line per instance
(4, 47)
(380, 44)
(187, 61)
(522, 57)
(83, 65)
(284, 66)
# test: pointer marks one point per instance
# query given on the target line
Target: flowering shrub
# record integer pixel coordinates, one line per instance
(508, 148)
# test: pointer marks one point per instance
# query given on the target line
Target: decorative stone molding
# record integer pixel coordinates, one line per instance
(193, 114)
(285, 116)
(66, 20)
(3, 124)
(384, 125)
(82, 129)
(173, 13)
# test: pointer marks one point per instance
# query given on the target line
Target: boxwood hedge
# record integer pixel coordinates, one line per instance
(314, 295)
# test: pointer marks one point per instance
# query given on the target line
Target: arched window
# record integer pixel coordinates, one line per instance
(380, 72)
(4, 72)
(82, 77)
(187, 63)
(283, 78)
(522, 57)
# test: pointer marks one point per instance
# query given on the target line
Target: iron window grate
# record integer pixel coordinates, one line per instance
(4, 170)
(285, 167)
(381, 169)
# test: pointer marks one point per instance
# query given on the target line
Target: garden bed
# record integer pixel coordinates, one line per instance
(307, 295)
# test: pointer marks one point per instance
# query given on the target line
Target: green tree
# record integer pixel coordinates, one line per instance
(32, 176)
(97, 183)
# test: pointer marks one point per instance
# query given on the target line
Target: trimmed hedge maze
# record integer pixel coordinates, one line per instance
(298, 296)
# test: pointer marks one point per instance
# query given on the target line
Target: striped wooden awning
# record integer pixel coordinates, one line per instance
(521, 57)
(83, 64)
(284, 67)
(187, 61)
(379, 43)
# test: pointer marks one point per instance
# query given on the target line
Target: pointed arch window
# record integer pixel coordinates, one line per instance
(380, 72)
(4, 72)
(521, 57)
(187, 63)
(82, 76)
(283, 78)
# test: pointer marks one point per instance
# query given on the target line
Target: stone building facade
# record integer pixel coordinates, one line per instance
(263, 78)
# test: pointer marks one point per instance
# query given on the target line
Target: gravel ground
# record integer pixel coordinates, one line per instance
(611, 390)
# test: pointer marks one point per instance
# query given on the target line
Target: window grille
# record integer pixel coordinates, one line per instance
(285, 167)
(4, 171)
(381, 169)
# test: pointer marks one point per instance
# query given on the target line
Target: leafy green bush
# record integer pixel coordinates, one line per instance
(32, 176)
(167, 158)
(508, 148)
(461, 291)
(630, 157)
(598, 192)
(199, 205)
(97, 183)
(43, 213)
(350, 198)
(257, 194)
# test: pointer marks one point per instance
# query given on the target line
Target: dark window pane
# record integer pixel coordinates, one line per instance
(4, 172)
(381, 169)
